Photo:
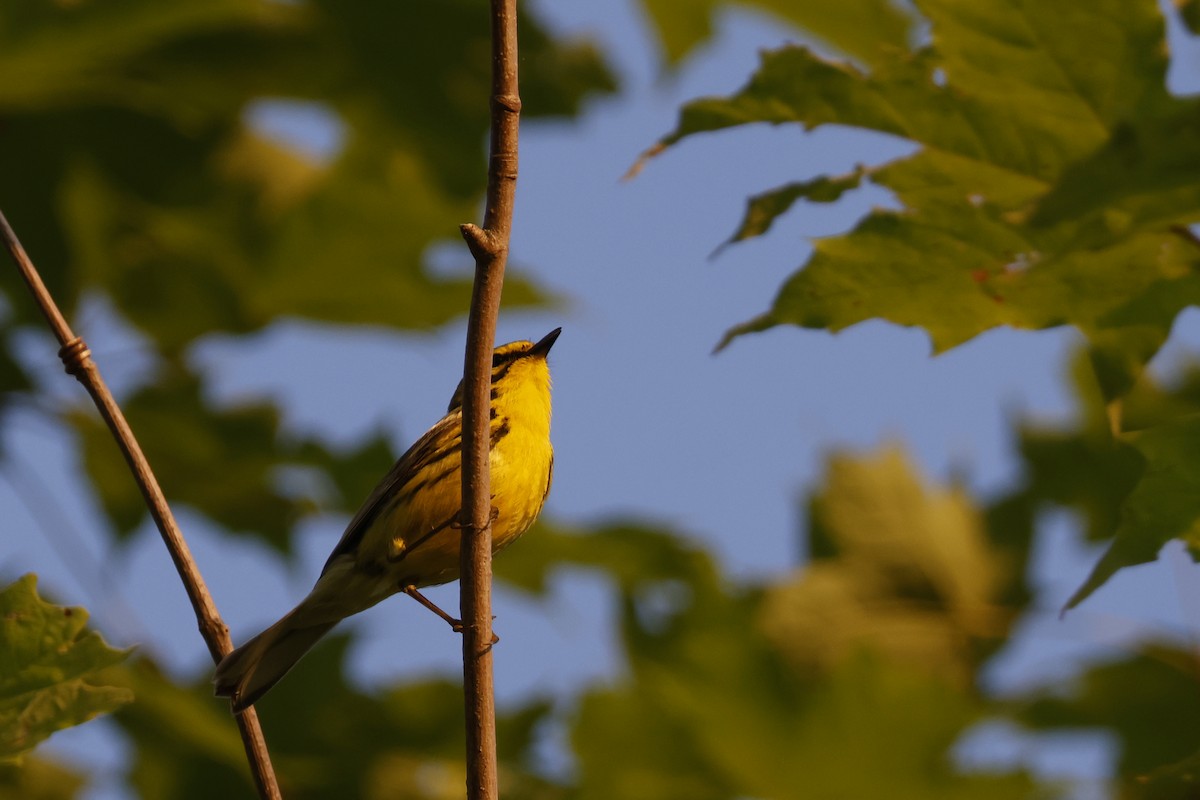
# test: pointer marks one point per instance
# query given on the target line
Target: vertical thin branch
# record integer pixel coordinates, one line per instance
(78, 361)
(489, 246)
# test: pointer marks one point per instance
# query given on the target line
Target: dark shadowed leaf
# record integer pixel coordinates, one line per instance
(1132, 490)
(1164, 505)
(129, 167)
(627, 553)
(353, 472)
(38, 779)
(1189, 12)
(860, 28)
(222, 462)
(231, 464)
(186, 746)
(1177, 781)
(1147, 702)
(327, 739)
(628, 745)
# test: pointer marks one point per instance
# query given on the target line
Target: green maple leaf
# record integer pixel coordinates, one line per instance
(51, 669)
(1017, 108)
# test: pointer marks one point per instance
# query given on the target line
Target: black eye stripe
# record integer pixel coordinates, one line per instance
(506, 358)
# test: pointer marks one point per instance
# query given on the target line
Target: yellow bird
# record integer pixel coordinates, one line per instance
(405, 535)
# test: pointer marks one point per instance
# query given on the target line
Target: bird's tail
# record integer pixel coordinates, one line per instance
(249, 671)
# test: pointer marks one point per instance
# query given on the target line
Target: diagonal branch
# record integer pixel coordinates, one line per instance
(78, 361)
(489, 246)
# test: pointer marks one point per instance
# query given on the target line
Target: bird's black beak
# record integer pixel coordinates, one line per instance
(543, 347)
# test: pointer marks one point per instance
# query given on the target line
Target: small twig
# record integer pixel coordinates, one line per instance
(78, 361)
(489, 246)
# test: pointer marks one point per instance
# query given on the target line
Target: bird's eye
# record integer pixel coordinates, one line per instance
(500, 359)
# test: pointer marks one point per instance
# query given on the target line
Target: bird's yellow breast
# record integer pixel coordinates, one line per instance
(415, 537)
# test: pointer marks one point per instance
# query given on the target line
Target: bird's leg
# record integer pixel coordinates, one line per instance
(456, 625)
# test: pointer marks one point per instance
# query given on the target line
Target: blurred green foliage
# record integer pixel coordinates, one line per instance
(1053, 184)
(1051, 165)
(130, 169)
(37, 779)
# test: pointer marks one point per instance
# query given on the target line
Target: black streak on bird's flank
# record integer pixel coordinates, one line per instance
(500, 432)
(454, 448)
(498, 373)
(411, 491)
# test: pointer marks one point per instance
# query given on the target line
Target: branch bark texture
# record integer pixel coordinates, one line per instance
(489, 246)
(78, 361)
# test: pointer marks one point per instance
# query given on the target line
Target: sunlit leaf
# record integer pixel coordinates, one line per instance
(1008, 104)
(897, 565)
(762, 209)
(790, 689)
(50, 669)
(739, 719)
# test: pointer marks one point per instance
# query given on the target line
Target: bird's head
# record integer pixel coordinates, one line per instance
(519, 365)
